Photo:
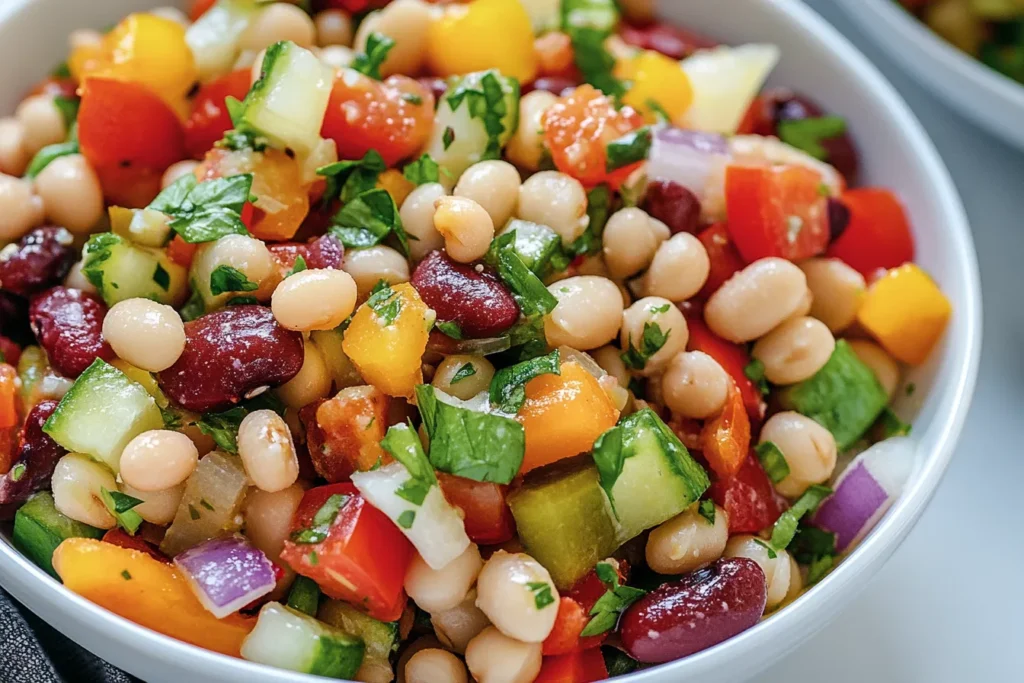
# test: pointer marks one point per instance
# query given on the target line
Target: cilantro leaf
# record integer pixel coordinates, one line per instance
(815, 548)
(651, 342)
(320, 528)
(610, 458)
(465, 372)
(448, 137)
(161, 277)
(706, 509)
(120, 506)
(889, 425)
(770, 550)
(755, 373)
(403, 443)
(807, 134)
(599, 201)
(347, 179)
(588, 23)
(46, 155)
(298, 266)
(68, 108)
(629, 149)
(450, 328)
(606, 611)
(377, 47)
(773, 461)
(204, 212)
(223, 426)
(533, 297)
(422, 171)
(368, 219)
(528, 338)
(385, 302)
(785, 527)
(227, 279)
(406, 519)
(508, 387)
(542, 596)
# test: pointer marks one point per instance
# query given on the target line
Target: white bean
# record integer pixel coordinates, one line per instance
(886, 369)
(588, 314)
(556, 200)
(648, 322)
(14, 155)
(630, 240)
(695, 385)
(148, 335)
(267, 452)
(795, 350)
(796, 582)
(434, 665)
(687, 542)
(756, 299)
(276, 22)
(610, 360)
(71, 193)
(76, 484)
(41, 121)
(311, 383)
(157, 507)
(511, 591)
(494, 185)
(333, 27)
(838, 291)
(679, 269)
(456, 627)
(468, 385)
(776, 569)
(337, 56)
(248, 255)
(526, 148)
(314, 299)
(417, 214)
(493, 657)
(268, 518)
(158, 459)
(371, 265)
(20, 209)
(809, 450)
(466, 227)
(438, 590)
(407, 22)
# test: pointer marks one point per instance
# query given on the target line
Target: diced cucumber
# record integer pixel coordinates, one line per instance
(287, 639)
(287, 104)
(101, 413)
(844, 396)
(474, 120)
(39, 528)
(215, 36)
(210, 507)
(304, 595)
(539, 247)
(564, 523)
(379, 637)
(658, 480)
(121, 270)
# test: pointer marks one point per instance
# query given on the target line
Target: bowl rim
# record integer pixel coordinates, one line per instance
(759, 645)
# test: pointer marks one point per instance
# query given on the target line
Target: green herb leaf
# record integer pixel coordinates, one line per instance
(450, 328)
(815, 548)
(807, 134)
(223, 426)
(706, 509)
(508, 387)
(368, 219)
(588, 23)
(324, 518)
(377, 47)
(403, 443)
(466, 443)
(172, 420)
(61, 71)
(484, 94)
(298, 267)
(610, 458)
(773, 461)
(412, 98)
(47, 154)
(422, 171)
(120, 506)
(193, 513)
(528, 338)
(348, 179)
(227, 279)
(755, 373)
(466, 371)
(18, 472)
(785, 527)
(68, 108)
(162, 278)
(194, 308)
(126, 575)
(651, 342)
(533, 297)
(304, 595)
(889, 425)
(448, 137)
(542, 596)
(406, 519)
(614, 602)
(204, 212)
(599, 201)
(658, 110)
(629, 149)
(770, 550)
(385, 302)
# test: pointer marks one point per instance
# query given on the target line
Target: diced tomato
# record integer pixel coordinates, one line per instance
(583, 666)
(777, 211)
(488, 518)
(199, 8)
(672, 41)
(725, 438)
(574, 614)
(579, 127)
(364, 558)
(209, 119)
(734, 360)
(725, 260)
(394, 117)
(748, 497)
(878, 235)
(181, 252)
(121, 538)
(132, 187)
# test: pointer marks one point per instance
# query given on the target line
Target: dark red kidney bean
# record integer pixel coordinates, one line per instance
(437, 86)
(477, 301)
(703, 609)
(674, 205)
(838, 218)
(35, 459)
(325, 251)
(558, 85)
(671, 41)
(38, 261)
(229, 353)
(11, 351)
(69, 326)
(14, 319)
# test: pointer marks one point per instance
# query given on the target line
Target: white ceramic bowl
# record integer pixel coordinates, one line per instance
(895, 152)
(983, 95)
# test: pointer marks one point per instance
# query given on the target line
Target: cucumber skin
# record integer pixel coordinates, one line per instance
(39, 528)
(121, 270)
(379, 637)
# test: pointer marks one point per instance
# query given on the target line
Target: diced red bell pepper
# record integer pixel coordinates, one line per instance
(199, 8)
(121, 538)
(487, 516)
(748, 498)
(777, 211)
(734, 360)
(364, 558)
(583, 666)
(574, 615)
(209, 119)
(725, 260)
(725, 438)
(878, 235)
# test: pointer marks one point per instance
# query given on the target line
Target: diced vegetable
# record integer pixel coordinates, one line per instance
(748, 498)
(488, 34)
(878, 233)
(304, 596)
(545, 15)
(844, 396)
(725, 81)
(343, 371)
(380, 638)
(210, 119)
(538, 246)
(226, 574)
(121, 270)
(725, 438)
(39, 528)
(659, 87)
(732, 357)
(485, 512)
(352, 425)
(211, 505)
(153, 594)
(287, 639)
(906, 312)
(691, 158)
(101, 413)
(583, 666)
(215, 36)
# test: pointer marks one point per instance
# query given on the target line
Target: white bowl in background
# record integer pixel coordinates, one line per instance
(982, 94)
(895, 152)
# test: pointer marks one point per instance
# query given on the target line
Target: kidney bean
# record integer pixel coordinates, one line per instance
(38, 260)
(69, 326)
(11, 351)
(325, 251)
(476, 300)
(552, 84)
(703, 609)
(229, 353)
(14, 319)
(671, 41)
(674, 205)
(35, 460)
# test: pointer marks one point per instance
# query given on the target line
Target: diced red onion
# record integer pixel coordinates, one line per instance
(226, 574)
(865, 490)
(687, 157)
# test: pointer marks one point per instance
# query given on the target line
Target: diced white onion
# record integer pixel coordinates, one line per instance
(725, 82)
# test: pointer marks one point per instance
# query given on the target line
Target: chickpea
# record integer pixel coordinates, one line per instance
(493, 657)
(456, 627)
(886, 369)
(337, 56)
(14, 156)
(776, 569)
(277, 22)
(268, 518)
(157, 507)
(176, 171)
(510, 603)
(313, 381)
(406, 22)
(71, 193)
(526, 148)
(654, 315)
(144, 333)
(588, 314)
(20, 209)
(809, 450)
(468, 385)
(795, 350)
(687, 542)
(373, 264)
(838, 291)
(417, 214)
(630, 240)
(248, 255)
(158, 459)
(314, 299)
(796, 581)
(466, 227)
(756, 299)
(679, 269)
(556, 200)
(695, 385)
(494, 185)
(610, 360)
(267, 452)
(41, 121)
(804, 308)
(434, 665)
(438, 590)
(76, 484)
(333, 27)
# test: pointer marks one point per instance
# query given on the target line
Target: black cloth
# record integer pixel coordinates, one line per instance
(32, 651)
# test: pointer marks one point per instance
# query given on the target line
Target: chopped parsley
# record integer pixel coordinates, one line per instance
(324, 518)
(121, 507)
(754, 371)
(542, 596)
(911, 388)
(422, 171)
(786, 526)
(161, 277)
(369, 218)
(298, 266)
(448, 137)
(508, 387)
(412, 98)
(223, 426)
(706, 509)
(377, 47)
(403, 443)
(193, 513)
(614, 602)
(207, 211)
(347, 179)
(651, 341)
(533, 297)
(313, 558)
(171, 418)
(770, 550)
(629, 149)
(68, 108)
(815, 548)
(406, 519)
(599, 202)
(126, 575)
(588, 23)
(658, 110)
(385, 302)
(194, 308)
(465, 372)
(773, 461)
(808, 134)
(450, 328)
(47, 154)
(227, 279)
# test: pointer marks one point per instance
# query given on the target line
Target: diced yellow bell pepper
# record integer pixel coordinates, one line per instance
(143, 48)
(387, 338)
(151, 593)
(397, 185)
(657, 82)
(485, 34)
(906, 312)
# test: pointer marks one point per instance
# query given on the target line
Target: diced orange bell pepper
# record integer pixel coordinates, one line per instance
(656, 80)
(906, 312)
(8, 396)
(726, 437)
(352, 425)
(397, 185)
(583, 666)
(485, 34)
(181, 252)
(133, 585)
(563, 415)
